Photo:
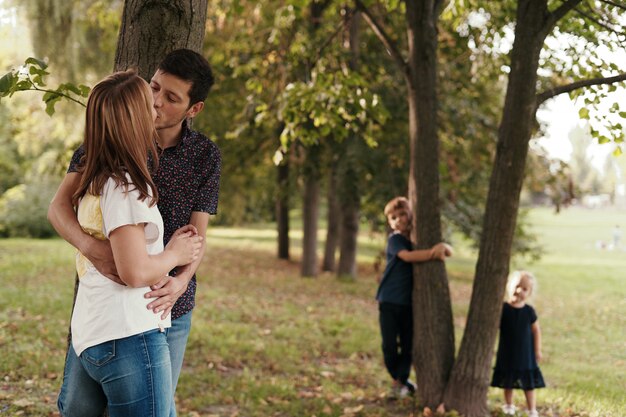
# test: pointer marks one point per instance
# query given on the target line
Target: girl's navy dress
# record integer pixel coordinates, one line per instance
(516, 365)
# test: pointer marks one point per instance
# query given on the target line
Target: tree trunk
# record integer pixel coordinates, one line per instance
(333, 220)
(282, 210)
(350, 199)
(433, 339)
(311, 168)
(310, 213)
(467, 389)
(151, 29)
(350, 204)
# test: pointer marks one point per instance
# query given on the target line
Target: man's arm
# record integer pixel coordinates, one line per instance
(171, 288)
(62, 216)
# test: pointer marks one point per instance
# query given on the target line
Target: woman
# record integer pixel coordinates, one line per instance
(120, 343)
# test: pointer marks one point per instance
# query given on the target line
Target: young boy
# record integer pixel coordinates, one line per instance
(394, 294)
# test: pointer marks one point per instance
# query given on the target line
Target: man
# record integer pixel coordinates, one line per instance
(188, 184)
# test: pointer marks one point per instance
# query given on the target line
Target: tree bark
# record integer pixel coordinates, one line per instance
(350, 199)
(151, 29)
(282, 210)
(467, 389)
(310, 213)
(333, 220)
(311, 168)
(433, 340)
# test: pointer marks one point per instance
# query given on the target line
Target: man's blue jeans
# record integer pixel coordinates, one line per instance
(82, 396)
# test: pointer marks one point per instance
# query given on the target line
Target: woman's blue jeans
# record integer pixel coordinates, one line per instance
(83, 396)
(134, 372)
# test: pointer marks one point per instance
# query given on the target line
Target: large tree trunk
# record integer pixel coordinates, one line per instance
(433, 340)
(333, 218)
(282, 210)
(310, 213)
(469, 382)
(350, 192)
(151, 29)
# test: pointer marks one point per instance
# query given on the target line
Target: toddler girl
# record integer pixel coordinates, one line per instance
(519, 347)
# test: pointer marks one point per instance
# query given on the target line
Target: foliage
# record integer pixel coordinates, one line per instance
(30, 77)
(331, 106)
(23, 209)
(79, 37)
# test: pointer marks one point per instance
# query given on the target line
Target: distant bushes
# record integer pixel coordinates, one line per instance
(24, 207)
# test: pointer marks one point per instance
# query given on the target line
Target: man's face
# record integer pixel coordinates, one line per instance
(171, 99)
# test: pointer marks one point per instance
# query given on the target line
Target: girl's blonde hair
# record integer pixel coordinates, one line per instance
(513, 281)
(119, 136)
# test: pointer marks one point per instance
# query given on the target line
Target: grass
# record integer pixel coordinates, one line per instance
(266, 342)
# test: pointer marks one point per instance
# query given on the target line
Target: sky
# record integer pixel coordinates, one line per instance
(561, 116)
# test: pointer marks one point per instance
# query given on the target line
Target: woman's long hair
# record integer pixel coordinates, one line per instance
(119, 136)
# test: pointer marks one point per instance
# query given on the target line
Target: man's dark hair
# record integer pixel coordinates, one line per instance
(192, 67)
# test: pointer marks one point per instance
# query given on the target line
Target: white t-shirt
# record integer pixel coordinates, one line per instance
(106, 310)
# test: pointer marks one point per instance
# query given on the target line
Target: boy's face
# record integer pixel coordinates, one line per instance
(399, 220)
(171, 100)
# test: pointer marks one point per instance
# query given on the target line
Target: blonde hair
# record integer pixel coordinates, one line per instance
(513, 281)
(119, 136)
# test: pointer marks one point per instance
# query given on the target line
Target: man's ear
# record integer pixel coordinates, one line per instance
(195, 109)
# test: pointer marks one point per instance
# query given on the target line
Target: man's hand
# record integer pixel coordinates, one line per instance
(100, 255)
(167, 291)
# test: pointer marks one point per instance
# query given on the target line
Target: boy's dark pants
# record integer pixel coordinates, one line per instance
(396, 328)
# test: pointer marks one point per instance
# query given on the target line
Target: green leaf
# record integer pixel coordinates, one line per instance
(70, 87)
(583, 113)
(6, 83)
(617, 151)
(38, 62)
(50, 105)
(84, 90)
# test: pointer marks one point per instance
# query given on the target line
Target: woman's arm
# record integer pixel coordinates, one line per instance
(536, 331)
(139, 269)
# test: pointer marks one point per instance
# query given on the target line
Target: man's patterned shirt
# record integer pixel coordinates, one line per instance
(188, 180)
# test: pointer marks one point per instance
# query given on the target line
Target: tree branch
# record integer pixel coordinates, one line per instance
(597, 22)
(553, 92)
(327, 42)
(612, 3)
(561, 11)
(391, 47)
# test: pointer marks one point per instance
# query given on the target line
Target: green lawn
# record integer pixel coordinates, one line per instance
(265, 342)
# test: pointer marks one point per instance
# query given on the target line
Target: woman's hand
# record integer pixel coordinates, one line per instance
(185, 244)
